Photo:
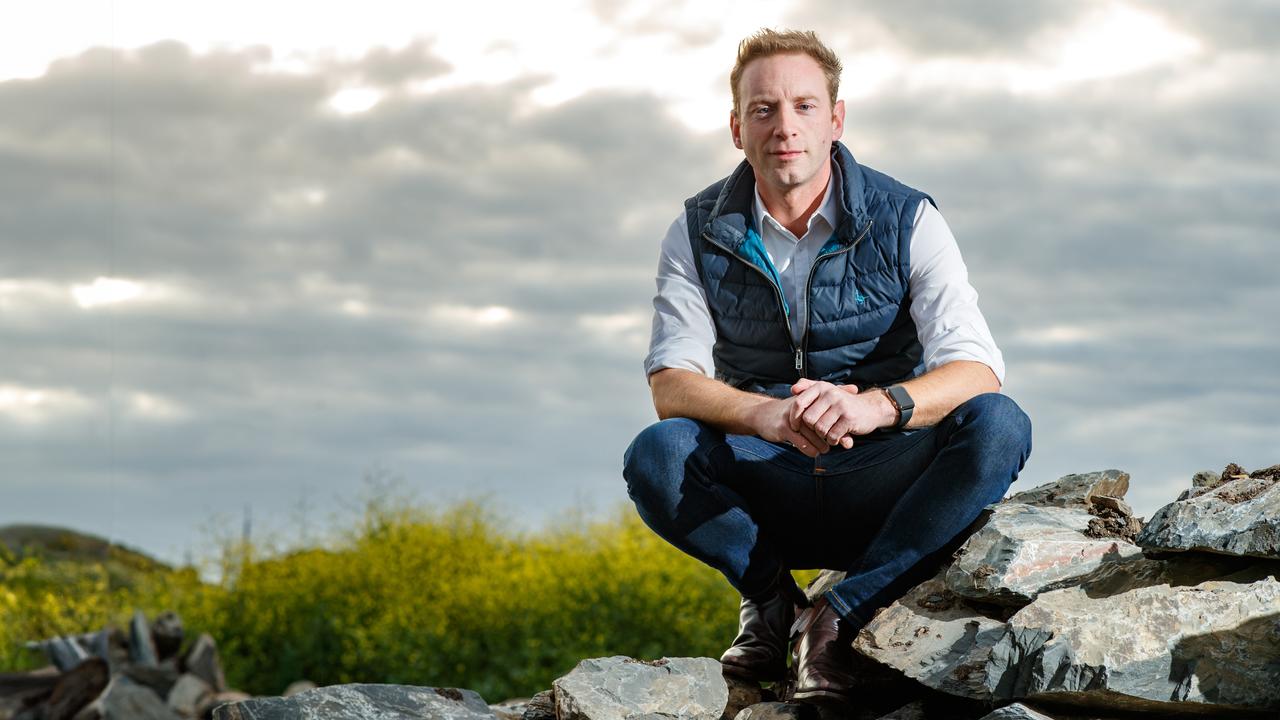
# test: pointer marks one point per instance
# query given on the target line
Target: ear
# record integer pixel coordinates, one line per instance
(837, 120)
(735, 129)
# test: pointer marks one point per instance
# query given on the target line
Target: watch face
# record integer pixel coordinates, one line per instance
(902, 398)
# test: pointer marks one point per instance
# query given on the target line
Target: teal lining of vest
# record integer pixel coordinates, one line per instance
(751, 249)
(832, 245)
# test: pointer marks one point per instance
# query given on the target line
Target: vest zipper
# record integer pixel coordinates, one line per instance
(803, 350)
(781, 303)
(808, 307)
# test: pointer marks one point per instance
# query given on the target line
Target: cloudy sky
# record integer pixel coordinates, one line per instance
(255, 253)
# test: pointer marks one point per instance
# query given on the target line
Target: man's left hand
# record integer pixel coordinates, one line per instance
(837, 412)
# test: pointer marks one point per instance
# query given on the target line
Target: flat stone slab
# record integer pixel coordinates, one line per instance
(1210, 648)
(1237, 517)
(932, 637)
(1075, 490)
(1024, 550)
(363, 702)
(621, 688)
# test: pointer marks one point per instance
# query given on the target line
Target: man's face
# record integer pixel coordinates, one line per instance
(786, 122)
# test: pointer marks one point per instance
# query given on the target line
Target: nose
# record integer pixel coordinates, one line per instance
(786, 122)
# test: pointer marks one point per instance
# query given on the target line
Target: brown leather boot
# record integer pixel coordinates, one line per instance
(824, 655)
(759, 653)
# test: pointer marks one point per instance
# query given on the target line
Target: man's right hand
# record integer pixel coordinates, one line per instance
(772, 421)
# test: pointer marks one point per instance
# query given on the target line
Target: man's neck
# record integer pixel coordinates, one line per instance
(792, 207)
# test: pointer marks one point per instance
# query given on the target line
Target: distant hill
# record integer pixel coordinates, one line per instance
(61, 544)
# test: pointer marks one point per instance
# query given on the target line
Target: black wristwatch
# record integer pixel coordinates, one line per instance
(902, 401)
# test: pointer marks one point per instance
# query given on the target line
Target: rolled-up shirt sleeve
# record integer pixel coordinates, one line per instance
(683, 333)
(944, 305)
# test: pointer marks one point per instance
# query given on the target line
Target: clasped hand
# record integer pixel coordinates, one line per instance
(820, 415)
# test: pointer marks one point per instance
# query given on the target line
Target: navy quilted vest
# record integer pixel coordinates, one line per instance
(858, 330)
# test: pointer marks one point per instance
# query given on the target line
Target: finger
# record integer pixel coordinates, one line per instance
(804, 445)
(801, 385)
(851, 389)
(806, 396)
(826, 401)
(833, 425)
(846, 442)
(810, 436)
(800, 403)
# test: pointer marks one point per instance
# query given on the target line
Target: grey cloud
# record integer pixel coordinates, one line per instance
(976, 28)
(1008, 28)
(641, 17)
(386, 67)
(1242, 25)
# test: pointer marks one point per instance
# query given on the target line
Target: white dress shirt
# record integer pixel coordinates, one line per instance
(944, 306)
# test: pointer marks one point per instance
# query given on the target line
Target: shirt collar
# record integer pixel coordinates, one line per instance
(827, 210)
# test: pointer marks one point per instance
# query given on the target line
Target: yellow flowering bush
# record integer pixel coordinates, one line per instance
(405, 595)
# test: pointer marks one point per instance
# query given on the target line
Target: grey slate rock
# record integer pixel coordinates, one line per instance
(743, 694)
(22, 689)
(1114, 578)
(125, 700)
(541, 706)
(64, 652)
(142, 648)
(215, 700)
(1075, 490)
(1238, 517)
(621, 688)
(77, 688)
(203, 662)
(1016, 711)
(1201, 483)
(187, 694)
(778, 711)
(1209, 648)
(363, 702)
(910, 711)
(1024, 550)
(158, 678)
(510, 709)
(167, 632)
(932, 637)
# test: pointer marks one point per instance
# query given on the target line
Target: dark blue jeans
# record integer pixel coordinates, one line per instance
(885, 511)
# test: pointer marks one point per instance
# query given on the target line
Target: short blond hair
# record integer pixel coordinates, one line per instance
(765, 42)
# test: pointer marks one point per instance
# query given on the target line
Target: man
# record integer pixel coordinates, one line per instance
(827, 387)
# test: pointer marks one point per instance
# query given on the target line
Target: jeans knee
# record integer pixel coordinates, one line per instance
(1000, 421)
(653, 465)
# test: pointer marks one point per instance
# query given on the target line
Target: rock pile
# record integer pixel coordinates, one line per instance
(1064, 602)
(139, 674)
(1061, 605)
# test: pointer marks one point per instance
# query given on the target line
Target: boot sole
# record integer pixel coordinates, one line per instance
(822, 696)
